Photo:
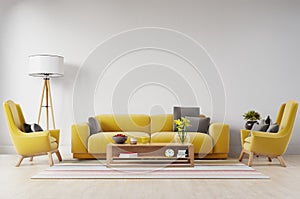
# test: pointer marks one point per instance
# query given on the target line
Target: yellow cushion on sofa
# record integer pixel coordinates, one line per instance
(203, 143)
(162, 137)
(162, 122)
(131, 122)
(97, 142)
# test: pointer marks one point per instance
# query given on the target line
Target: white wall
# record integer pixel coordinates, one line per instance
(251, 47)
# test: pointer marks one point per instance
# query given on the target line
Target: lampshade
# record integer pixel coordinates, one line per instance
(42, 65)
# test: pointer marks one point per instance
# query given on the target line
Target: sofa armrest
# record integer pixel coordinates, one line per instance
(24, 142)
(220, 133)
(80, 135)
(244, 135)
(55, 133)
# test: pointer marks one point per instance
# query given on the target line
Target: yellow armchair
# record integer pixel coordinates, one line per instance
(30, 144)
(272, 145)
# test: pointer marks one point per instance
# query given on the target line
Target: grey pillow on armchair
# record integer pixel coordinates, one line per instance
(259, 127)
(28, 128)
(273, 128)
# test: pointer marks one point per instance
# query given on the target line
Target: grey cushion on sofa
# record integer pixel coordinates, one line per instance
(179, 112)
(198, 124)
(94, 125)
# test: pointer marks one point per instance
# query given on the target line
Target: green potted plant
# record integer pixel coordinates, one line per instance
(252, 117)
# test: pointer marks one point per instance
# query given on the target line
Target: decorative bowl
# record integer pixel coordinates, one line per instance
(119, 139)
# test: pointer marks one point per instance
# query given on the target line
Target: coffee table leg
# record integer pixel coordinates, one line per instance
(108, 155)
(191, 155)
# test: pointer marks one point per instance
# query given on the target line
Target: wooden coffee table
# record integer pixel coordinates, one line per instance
(149, 155)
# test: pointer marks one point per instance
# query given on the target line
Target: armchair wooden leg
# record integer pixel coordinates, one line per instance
(270, 159)
(21, 158)
(250, 161)
(282, 162)
(50, 159)
(241, 156)
(58, 155)
(31, 159)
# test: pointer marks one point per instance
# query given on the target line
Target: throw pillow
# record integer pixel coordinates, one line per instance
(198, 124)
(268, 120)
(260, 127)
(94, 125)
(28, 128)
(179, 112)
(273, 128)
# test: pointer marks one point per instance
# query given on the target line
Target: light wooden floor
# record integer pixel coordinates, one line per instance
(15, 183)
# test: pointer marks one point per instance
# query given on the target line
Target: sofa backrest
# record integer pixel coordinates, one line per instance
(126, 122)
(136, 122)
(163, 122)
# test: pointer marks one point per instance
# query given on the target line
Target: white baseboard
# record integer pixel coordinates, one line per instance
(293, 149)
(7, 150)
(234, 151)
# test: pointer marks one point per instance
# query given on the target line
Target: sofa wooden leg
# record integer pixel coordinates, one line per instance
(50, 159)
(31, 159)
(21, 158)
(282, 162)
(241, 156)
(250, 161)
(58, 155)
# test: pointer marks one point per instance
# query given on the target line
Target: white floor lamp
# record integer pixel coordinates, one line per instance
(46, 66)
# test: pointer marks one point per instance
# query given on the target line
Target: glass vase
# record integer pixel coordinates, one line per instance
(182, 137)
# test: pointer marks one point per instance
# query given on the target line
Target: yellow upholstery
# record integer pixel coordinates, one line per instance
(157, 129)
(215, 144)
(29, 144)
(97, 142)
(272, 145)
(133, 122)
(203, 143)
(162, 123)
(94, 146)
(80, 136)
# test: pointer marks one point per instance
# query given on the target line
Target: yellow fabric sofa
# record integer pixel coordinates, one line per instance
(156, 128)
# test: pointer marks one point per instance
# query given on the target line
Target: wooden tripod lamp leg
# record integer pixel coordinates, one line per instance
(47, 103)
(51, 105)
(47, 94)
(42, 99)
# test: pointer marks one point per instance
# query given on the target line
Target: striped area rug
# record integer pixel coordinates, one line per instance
(97, 171)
